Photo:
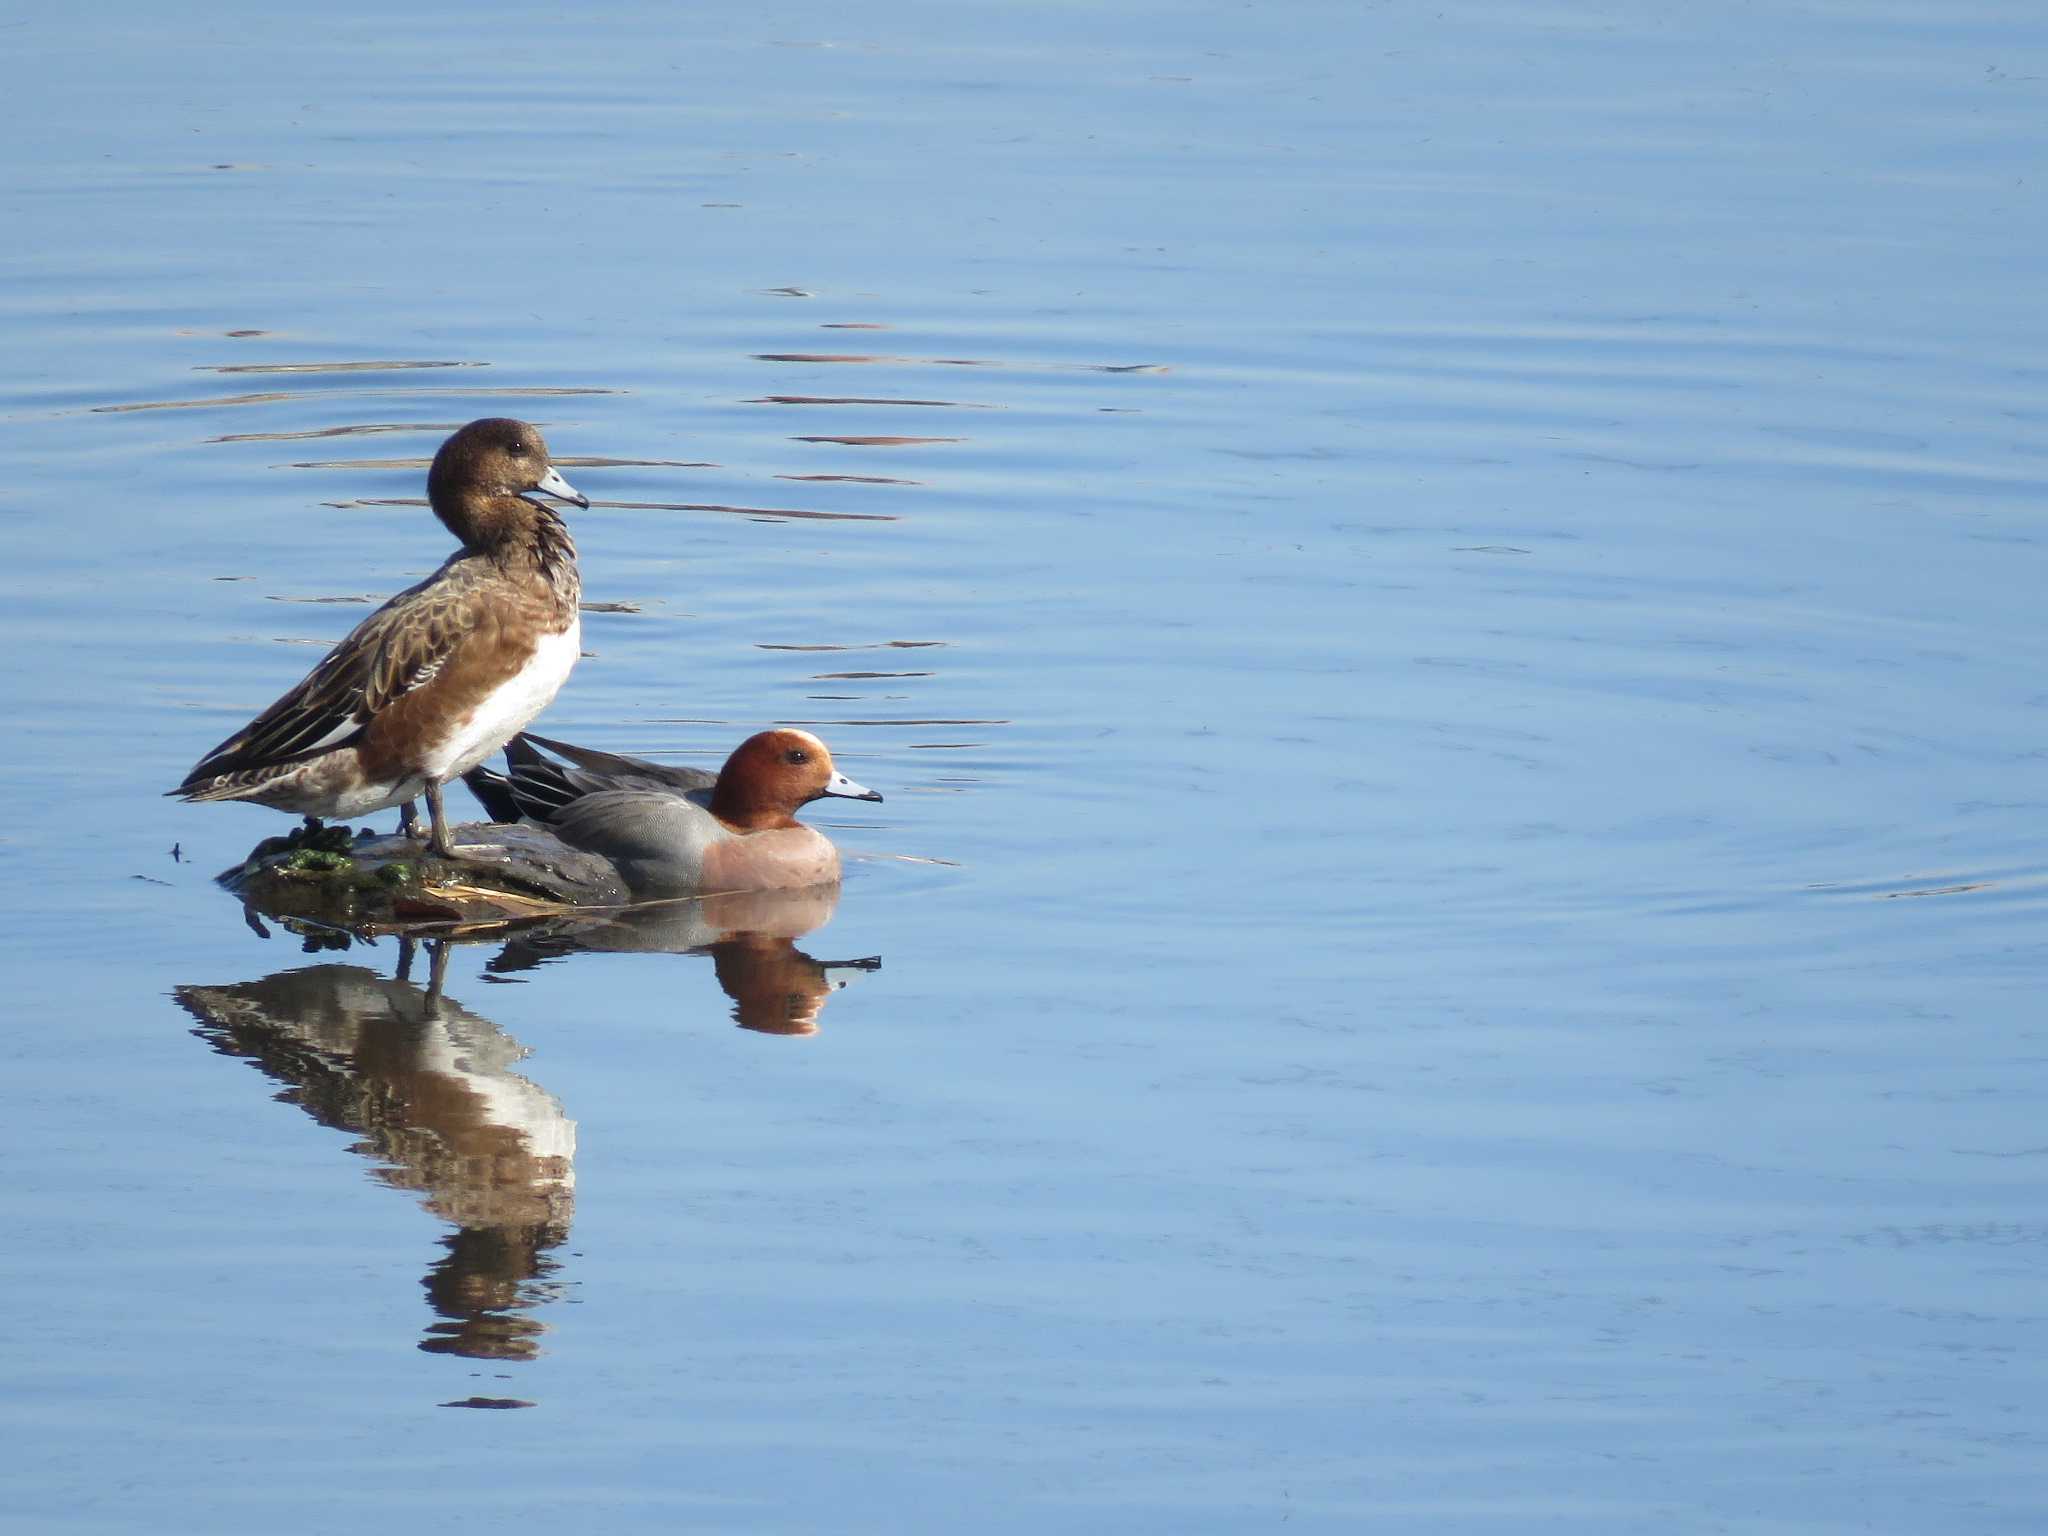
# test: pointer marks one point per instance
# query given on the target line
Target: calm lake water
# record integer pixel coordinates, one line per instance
(1447, 601)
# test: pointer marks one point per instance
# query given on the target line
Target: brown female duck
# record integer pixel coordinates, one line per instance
(445, 673)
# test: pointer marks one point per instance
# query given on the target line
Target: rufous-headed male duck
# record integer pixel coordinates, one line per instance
(680, 831)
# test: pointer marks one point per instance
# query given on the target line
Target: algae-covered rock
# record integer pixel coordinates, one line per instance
(391, 884)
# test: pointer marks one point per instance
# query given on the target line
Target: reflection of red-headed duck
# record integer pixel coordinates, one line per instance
(681, 831)
(775, 987)
(445, 673)
(750, 936)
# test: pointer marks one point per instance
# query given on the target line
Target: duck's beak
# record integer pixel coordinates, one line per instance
(840, 973)
(552, 484)
(846, 789)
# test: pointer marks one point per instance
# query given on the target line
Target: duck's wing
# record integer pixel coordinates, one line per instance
(611, 769)
(541, 789)
(400, 647)
(636, 825)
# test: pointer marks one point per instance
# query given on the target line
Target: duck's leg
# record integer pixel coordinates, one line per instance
(409, 819)
(437, 840)
(311, 833)
(437, 977)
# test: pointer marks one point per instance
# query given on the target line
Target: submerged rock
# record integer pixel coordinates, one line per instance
(370, 885)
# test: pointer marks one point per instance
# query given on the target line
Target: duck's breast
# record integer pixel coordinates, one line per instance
(782, 859)
(511, 704)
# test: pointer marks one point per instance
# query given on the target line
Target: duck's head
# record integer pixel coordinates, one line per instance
(480, 479)
(770, 776)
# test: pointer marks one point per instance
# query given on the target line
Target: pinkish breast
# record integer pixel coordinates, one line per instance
(784, 859)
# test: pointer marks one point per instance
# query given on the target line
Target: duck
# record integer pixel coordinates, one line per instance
(446, 672)
(672, 831)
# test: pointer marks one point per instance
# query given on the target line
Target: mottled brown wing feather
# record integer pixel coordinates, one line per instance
(395, 650)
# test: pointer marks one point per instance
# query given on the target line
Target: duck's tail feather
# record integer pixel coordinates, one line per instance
(535, 790)
(494, 792)
(240, 785)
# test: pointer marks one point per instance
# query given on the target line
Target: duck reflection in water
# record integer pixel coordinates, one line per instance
(750, 936)
(429, 1086)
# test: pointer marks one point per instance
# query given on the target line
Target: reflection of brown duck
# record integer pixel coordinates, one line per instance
(750, 935)
(430, 1087)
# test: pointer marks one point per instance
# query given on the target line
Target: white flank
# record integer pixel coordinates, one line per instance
(478, 1058)
(512, 706)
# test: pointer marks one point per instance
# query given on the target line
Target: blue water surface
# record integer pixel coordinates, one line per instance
(1446, 599)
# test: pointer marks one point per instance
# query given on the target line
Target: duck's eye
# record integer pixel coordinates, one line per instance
(796, 755)
(517, 450)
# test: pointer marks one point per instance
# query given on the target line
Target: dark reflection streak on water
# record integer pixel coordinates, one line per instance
(428, 1086)
(961, 363)
(1989, 1152)
(561, 462)
(809, 723)
(1929, 883)
(951, 405)
(185, 405)
(708, 506)
(864, 357)
(851, 479)
(662, 506)
(364, 430)
(357, 464)
(884, 645)
(592, 461)
(271, 397)
(384, 367)
(487, 1402)
(957, 362)
(876, 442)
